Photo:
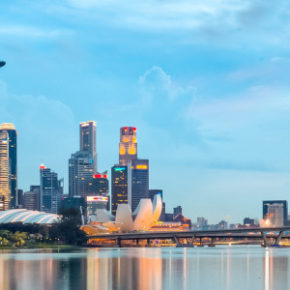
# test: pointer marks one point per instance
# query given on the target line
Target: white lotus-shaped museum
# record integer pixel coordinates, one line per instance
(145, 215)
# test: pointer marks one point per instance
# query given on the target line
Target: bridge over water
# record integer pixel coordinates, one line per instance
(265, 236)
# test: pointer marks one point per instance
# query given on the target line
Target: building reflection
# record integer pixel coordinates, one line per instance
(150, 270)
(276, 269)
(42, 271)
(142, 270)
(267, 270)
(4, 275)
(146, 268)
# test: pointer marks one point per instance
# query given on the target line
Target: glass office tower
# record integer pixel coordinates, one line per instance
(119, 186)
(9, 143)
(88, 140)
(138, 181)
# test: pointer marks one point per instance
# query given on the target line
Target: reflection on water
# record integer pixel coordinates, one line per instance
(146, 268)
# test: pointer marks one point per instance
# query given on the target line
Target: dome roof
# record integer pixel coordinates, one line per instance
(27, 217)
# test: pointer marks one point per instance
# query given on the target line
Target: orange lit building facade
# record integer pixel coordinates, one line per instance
(127, 145)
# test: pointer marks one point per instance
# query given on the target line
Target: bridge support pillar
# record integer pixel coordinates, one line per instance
(265, 241)
(200, 242)
(278, 239)
(176, 240)
(119, 243)
(193, 240)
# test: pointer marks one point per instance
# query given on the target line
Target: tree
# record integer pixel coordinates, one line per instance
(68, 229)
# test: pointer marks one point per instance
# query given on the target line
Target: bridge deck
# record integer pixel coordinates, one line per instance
(254, 233)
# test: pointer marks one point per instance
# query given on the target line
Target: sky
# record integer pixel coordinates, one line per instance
(206, 83)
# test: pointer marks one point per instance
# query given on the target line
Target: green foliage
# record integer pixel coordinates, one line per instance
(68, 228)
(66, 231)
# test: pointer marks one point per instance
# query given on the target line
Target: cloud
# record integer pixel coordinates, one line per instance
(45, 128)
(256, 104)
(155, 83)
(30, 31)
(222, 22)
(237, 132)
(156, 15)
(164, 98)
(165, 16)
(273, 70)
(255, 125)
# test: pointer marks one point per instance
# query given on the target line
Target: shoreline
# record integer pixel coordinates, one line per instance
(43, 246)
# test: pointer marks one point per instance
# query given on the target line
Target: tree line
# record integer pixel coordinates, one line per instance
(65, 231)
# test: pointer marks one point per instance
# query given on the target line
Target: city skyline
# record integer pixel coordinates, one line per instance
(210, 96)
(136, 174)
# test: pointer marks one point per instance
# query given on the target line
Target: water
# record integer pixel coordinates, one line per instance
(235, 267)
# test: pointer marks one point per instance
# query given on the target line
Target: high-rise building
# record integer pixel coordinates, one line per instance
(83, 163)
(276, 212)
(88, 140)
(119, 186)
(127, 145)
(202, 223)
(163, 213)
(20, 197)
(177, 211)
(100, 184)
(51, 190)
(248, 222)
(138, 181)
(31, 199)
(81, 171)
(4, 171)
(98, 197)
(9, 133)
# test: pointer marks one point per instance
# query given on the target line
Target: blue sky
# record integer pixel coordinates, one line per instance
(205, 82)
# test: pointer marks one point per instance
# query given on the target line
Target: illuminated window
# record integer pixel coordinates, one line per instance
(122, 150)
(141, 166)
(132, 150)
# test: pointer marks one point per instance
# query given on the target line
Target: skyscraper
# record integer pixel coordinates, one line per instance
(119, 188)
(83, 163)
(12, 161)
(4, 171)
(177, 211)
(31, 198)
(100, 184)
(98, 197)
(51, 190)
(127, 145)
(138, 181)
(276, 211)
(88, 140)
(81, 171)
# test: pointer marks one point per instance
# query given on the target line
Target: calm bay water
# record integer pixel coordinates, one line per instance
(248, 267)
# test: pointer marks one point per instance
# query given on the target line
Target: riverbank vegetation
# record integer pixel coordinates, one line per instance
(65, 232)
